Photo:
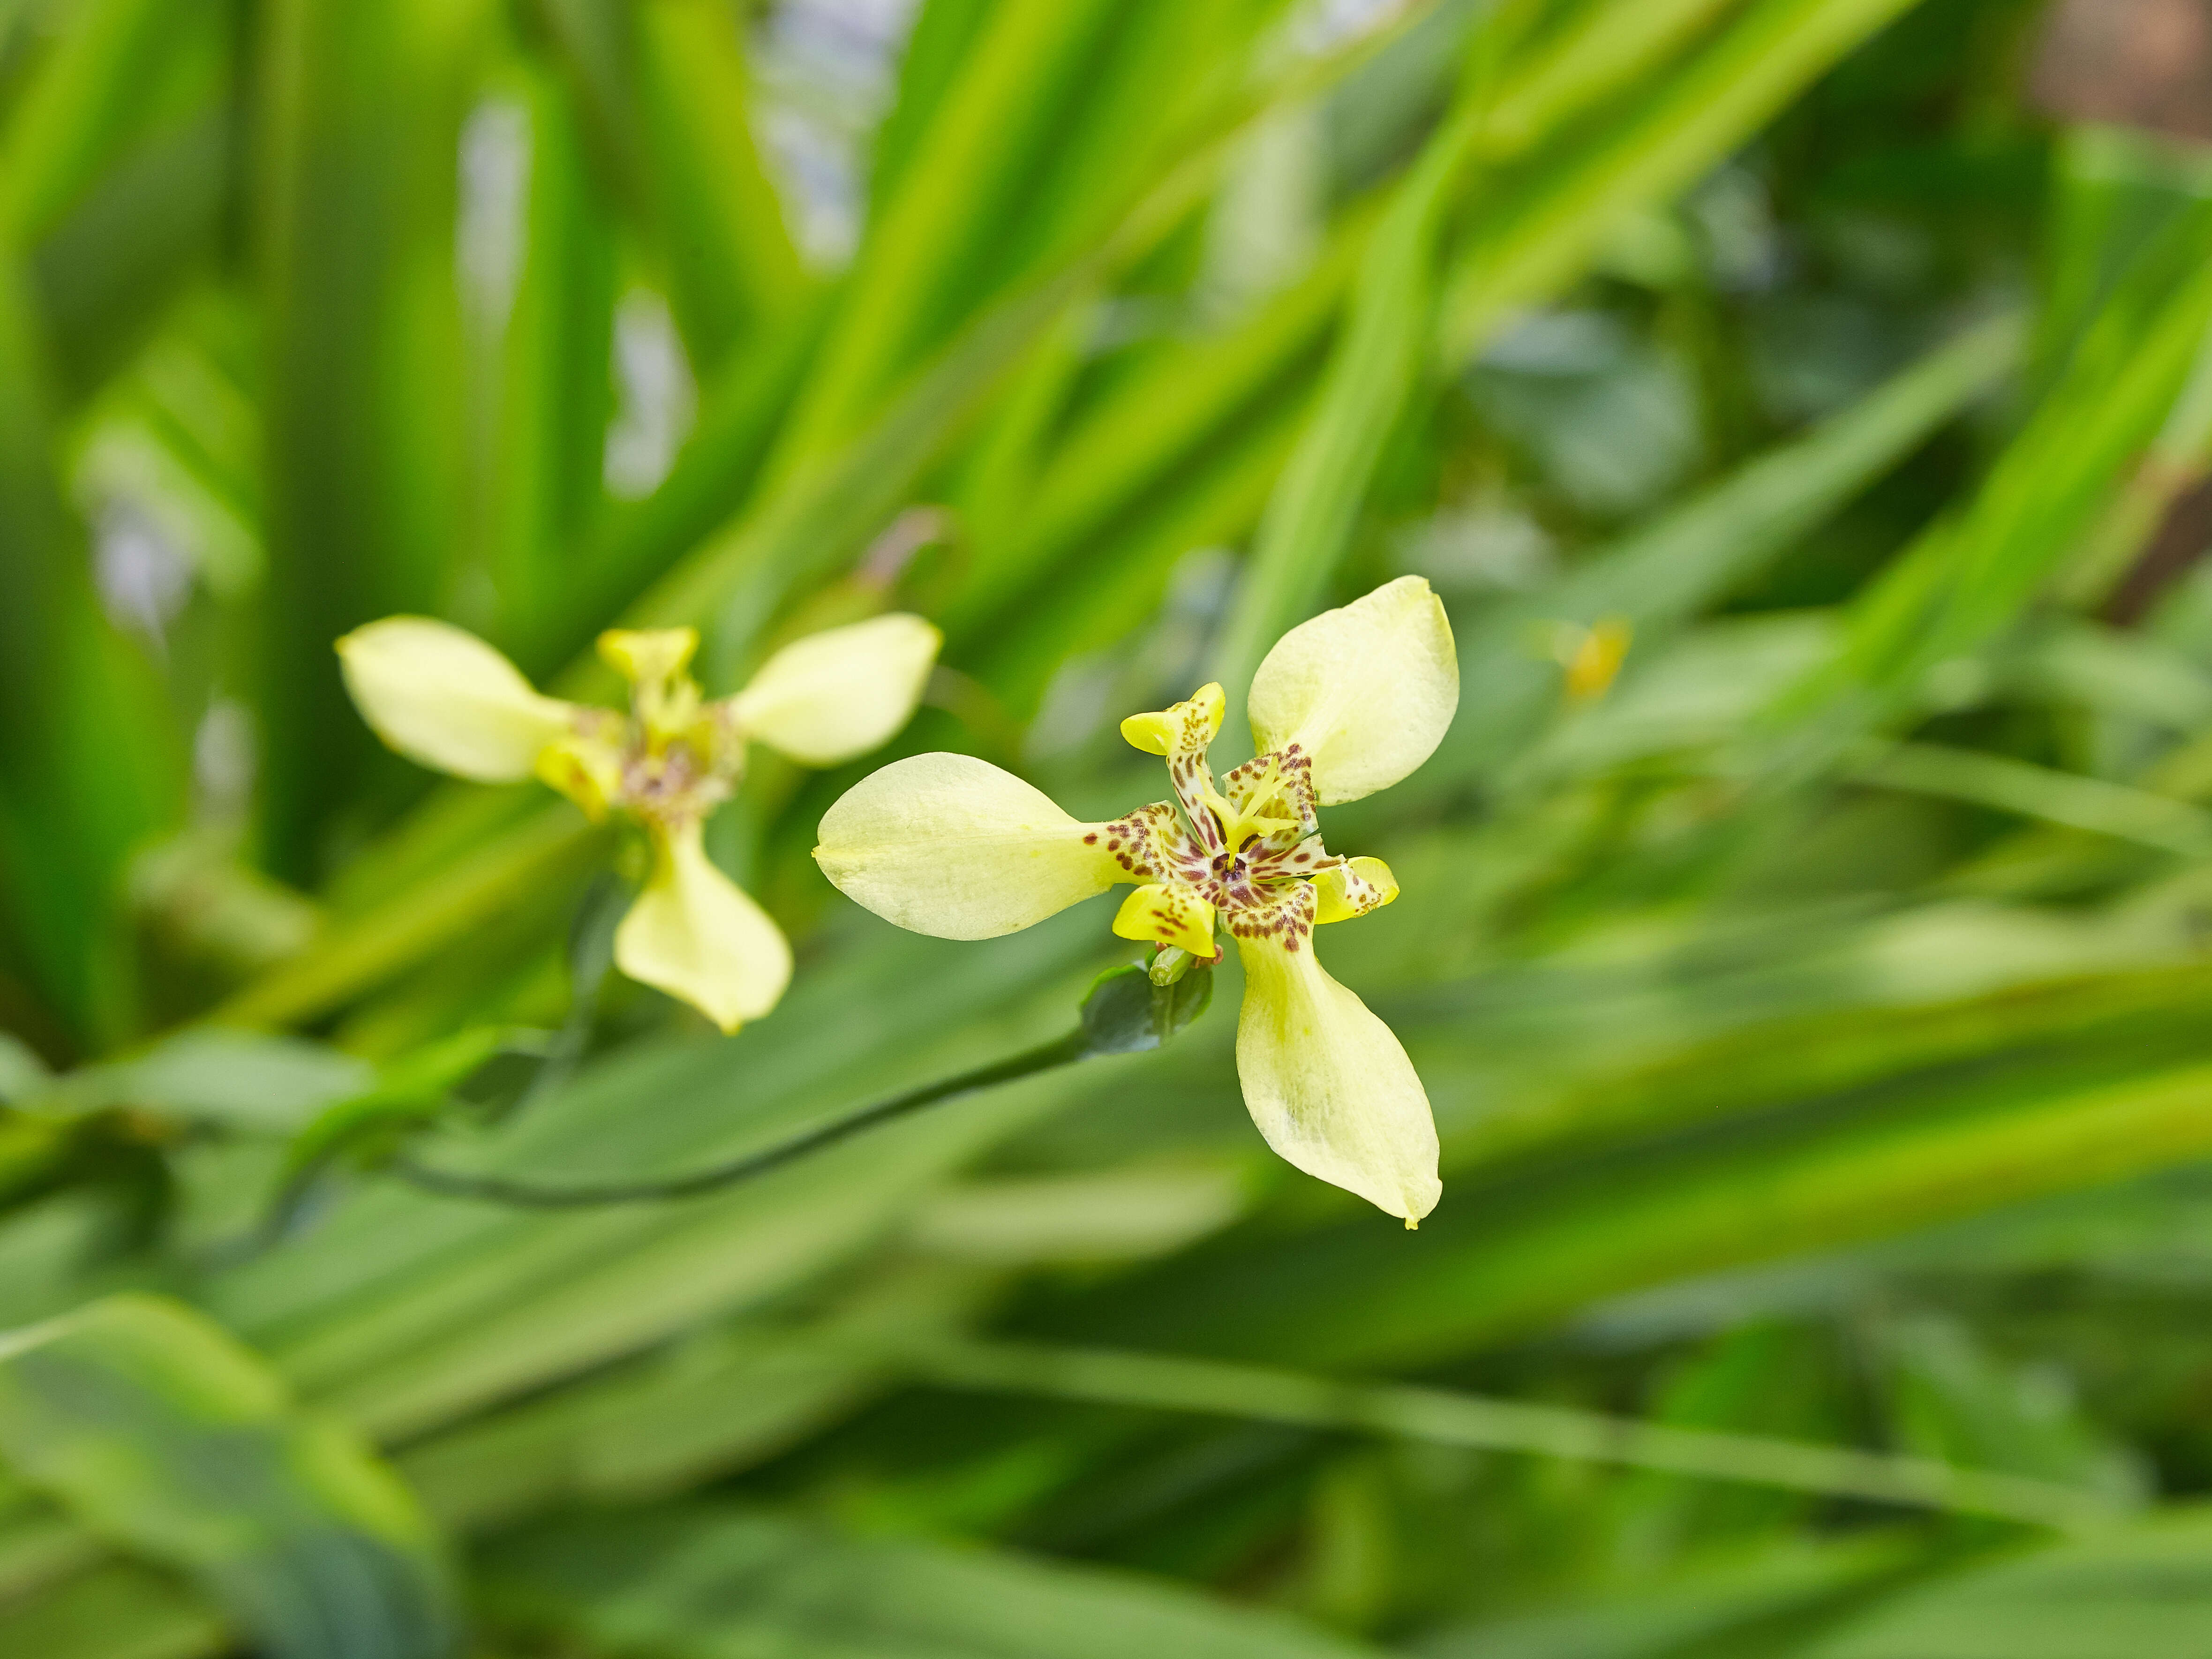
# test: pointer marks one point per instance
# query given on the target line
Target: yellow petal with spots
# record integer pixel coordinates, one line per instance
(1365, 693)
(838, 694)
(1167, 915)
(1352, 889)
(1193, 723)
(694, 934)
(1329, 1085)
(951, 846)
(441, 696)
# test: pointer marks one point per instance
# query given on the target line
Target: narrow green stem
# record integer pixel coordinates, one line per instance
(1171, 1383)
(524, 1195)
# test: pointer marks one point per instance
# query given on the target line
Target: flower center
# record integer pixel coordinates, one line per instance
(672, 781)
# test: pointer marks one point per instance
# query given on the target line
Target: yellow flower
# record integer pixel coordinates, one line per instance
(1592, 656)
(443, 697)
(1345, 705)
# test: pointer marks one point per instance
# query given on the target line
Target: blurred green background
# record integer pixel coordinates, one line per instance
(1815, 1015)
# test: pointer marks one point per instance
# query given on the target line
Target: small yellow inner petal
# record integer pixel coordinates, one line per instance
(586, 767)
(1163, 733)
(1167, 915)
(1352, 889)
(665, 699)
(648, 655)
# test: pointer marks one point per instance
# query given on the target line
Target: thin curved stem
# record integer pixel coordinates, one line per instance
(524, 1195)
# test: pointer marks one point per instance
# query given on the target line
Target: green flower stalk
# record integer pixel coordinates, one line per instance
(444, 698)
(1345, 704)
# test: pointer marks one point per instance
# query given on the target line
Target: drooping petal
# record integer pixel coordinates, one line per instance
(1168, 914)
(1353, 888)
(838, 694)
(1329, 1085)
(441, 696)
(694, 934)
(951, 846)
(1365, 693)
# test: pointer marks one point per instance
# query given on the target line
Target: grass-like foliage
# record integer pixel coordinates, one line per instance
(1801, 928)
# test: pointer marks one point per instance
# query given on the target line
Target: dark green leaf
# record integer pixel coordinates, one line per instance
(165, 1434)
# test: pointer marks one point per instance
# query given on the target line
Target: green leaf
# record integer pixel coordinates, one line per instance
(702, 1581)
(116, 1611)
(2039, 792)
(361, 117)
(1535, 237)
(920, 272)
(1376, 367)
(22, 1073)
(409, 1091)
(1661, 575)
(551, 359)
(1126, 1013)
(521, 1299)
(1951, 594)
(1700, 1606)
(89, 761)
(106, 274)
(1510, 1252)
(1159, 1382)
(119, 67)
(236, 1079)
(2146, 1590)
(166, 1436)
(1603, 51)
(733, 274)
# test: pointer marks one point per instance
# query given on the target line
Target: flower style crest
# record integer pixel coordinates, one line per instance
(442, 697)
(1345, 704)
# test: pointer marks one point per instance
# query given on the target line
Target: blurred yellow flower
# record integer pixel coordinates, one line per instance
(1592, 656)
(1345, 704)
(441, 696)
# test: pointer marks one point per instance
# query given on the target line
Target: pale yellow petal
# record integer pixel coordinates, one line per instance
(837, 695)
(1168, 915)
(1365, 692)
(441, 696)
(951, 846)
(694, 934)
(1329, 1085)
